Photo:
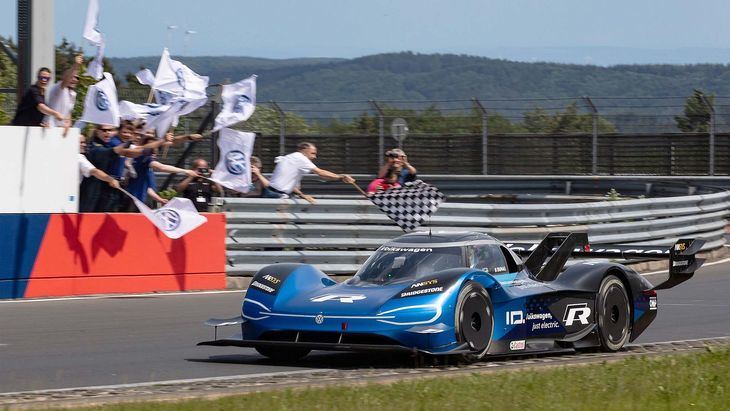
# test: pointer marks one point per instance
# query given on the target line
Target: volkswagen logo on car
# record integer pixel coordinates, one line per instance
(319, 319)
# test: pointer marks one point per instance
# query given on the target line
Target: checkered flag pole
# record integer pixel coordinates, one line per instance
(410, 204)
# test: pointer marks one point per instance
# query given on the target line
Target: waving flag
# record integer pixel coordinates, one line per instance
(410, 204)
(162, 122)
(177, 218)
(239, 103)
(145, 77)
(101, 105)
(234, 168)
(91, 30)
(176, 78)
(133, 111)
(95, 68)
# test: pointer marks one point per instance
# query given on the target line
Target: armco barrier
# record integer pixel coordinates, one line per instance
(339, 235)
(79, 254)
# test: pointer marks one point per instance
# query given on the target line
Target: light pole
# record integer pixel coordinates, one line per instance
(170, 28)
(188, 33)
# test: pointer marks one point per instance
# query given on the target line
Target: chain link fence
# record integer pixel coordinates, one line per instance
(566, 135)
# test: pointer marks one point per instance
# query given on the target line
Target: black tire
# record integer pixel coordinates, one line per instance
(473, 320)
(614, 314)
(282, 354)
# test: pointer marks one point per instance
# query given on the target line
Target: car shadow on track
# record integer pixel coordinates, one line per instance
(329, 360)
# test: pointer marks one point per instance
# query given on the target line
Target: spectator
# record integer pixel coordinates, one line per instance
(86, 169)
(397, 158)
(145, 166)
(287, 176)
(199, 190)
(386, 183)
(62, 95)
(33, 106)
(258, 181)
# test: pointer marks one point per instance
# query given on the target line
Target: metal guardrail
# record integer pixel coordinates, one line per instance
(338, 235)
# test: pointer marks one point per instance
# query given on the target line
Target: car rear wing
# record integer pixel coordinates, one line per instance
(546, 259)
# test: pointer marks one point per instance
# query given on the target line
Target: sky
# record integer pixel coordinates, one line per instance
(577, 31)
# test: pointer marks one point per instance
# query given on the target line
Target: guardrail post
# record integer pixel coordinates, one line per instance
(485, 135)
(594, 143)
(381, 132)
(710, 107)
(282, 127)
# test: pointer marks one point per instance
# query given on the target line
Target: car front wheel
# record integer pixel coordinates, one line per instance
(473, 320)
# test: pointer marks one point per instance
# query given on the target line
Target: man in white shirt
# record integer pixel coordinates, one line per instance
(62, 95)
(287, 176)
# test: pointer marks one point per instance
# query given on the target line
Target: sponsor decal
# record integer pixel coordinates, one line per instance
(263, 287)
(680, 247)
(652, 303)
(500, 269)
(319, 319)
(517, 345)
(514, 318)
(425, 283)
(424, 291)
(520, 284)
(680, 263)
(576, 312)
(407, 250)
(343, 298)
(271, 279)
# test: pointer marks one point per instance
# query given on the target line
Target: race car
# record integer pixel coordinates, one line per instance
(464, 294)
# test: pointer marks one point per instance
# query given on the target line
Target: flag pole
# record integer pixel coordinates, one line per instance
(360, 190)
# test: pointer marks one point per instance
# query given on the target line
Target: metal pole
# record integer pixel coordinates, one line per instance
(381, 132)
(25, 12)
(485, 136)
(594, 142)
(282, 127)
(215, 109)
(709, 105)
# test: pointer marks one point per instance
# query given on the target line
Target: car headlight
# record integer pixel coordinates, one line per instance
(411, 315)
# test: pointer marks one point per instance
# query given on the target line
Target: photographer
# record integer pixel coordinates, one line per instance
(199, 190)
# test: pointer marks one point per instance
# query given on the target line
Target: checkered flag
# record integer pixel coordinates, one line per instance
(410, 204)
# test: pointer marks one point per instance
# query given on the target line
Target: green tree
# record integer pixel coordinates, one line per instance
(566, 121)
(697, 114)
(8, 76)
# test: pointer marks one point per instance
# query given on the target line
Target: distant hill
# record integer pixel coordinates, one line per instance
(410, 76)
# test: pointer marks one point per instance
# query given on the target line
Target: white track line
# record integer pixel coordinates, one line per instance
(171, 382)
(119, 296)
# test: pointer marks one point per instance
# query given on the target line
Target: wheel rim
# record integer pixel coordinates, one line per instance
(475, 322)
(615, 324)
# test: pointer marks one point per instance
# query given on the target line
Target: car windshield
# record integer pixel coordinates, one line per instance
(391, 264)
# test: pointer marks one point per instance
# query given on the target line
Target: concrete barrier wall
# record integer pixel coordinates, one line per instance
(40, 170)
(79, 254)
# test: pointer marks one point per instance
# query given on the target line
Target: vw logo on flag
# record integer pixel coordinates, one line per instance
(240, 101)
(180, 77)
(101, 100)
(235, 162)
(170, 218)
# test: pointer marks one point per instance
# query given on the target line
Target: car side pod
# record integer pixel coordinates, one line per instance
(682, 262)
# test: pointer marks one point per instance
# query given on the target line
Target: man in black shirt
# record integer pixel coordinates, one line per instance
(199, 190)
(33, 106)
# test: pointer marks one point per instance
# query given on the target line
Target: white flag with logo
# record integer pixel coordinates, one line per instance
(177, 218)
(145, 77)
(101, 105)
(234, 168)
(95, 68)
(176, 78)
(239, 103)
(91, 30)
(133, 111)
(162, 122)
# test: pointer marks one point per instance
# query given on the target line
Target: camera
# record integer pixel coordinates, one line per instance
(204, 171)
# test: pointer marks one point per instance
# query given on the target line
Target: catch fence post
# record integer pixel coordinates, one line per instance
(594, 142)
(381, 132)
(710, 107)
(485, 135)
(282, 127)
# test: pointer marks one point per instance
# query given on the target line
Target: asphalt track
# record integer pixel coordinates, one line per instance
(49, 344)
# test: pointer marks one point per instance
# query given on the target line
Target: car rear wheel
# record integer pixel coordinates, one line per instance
(614, 321)
(283, 354)
(473, 320)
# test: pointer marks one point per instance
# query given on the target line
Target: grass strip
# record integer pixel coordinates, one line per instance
(680, 382)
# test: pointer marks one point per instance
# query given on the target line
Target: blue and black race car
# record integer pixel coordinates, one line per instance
(466, 294)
